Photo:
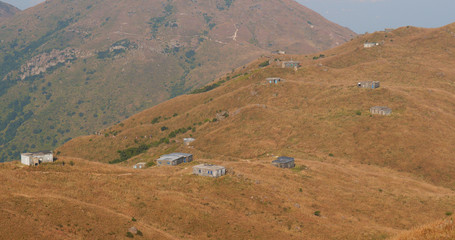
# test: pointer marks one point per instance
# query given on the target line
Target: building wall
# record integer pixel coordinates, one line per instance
(25, 160)
(207, 172)
(284, 165)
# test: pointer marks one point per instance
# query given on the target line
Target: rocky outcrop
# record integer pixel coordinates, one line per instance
(45, 61)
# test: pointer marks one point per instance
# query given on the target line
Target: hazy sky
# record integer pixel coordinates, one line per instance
(372, 15)
(365, 15)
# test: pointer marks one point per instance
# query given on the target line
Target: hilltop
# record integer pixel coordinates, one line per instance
(7, 11)
(68, 68)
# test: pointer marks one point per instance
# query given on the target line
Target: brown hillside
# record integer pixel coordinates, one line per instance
(255, 200)
(7, 11)
(319, 116)
(318, 109)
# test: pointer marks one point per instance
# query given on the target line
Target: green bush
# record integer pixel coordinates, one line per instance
(129, 235)
(317, 213)
(129, 153)
(264, 64)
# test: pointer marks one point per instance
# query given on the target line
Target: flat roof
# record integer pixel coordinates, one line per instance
(209, 166)
(174, 156)
(283, 159)
(37, 153)
(381, 108)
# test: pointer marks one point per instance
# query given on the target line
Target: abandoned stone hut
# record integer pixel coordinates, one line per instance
(290, 64)
(174, 159)
(274, 80)
(140, 165)
(187, 141)
(284, 162)
(209, 170)
(370, 84)
(36, 158)
(386, 111)
(370, 44)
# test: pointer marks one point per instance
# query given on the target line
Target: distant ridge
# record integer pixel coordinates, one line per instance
(7, 11)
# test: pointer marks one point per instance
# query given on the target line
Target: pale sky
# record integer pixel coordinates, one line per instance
(364, 15)
(373, 15)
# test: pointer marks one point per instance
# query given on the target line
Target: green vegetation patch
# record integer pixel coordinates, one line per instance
(129, 153)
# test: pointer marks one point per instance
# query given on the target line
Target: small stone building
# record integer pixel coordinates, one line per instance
(284, 162)
(370, 84)
(274, 80)
(140, 165)
(36, 158)
(370, 44)
(174, 159)
(290, 64)
(209, 170)
(187, 141)
(381, 110)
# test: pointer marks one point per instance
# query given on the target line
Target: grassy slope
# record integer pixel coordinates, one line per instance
(318, 110)
(92, 93)
(254, 201)
(370, 176)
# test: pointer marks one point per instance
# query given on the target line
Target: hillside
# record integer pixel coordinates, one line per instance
(68, 68)
(346, 157)
(316, 112)
(318, 200)
(7, 11)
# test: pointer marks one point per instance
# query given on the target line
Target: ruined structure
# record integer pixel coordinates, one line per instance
(209, 170)
(36, 158)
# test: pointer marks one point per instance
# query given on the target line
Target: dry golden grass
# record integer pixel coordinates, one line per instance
(254, 201)
(370, 176)
(441, 230)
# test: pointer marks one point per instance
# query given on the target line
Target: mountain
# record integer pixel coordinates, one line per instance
(69, 68)
(7, 11)
(368, 176)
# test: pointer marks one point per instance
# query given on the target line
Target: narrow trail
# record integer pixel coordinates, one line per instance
(139, 223)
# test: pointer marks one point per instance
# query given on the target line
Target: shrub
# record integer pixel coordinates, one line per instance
(129, 234)
(317, 213)
(71, 163)
(264, 64)
(164, 128)
(133, 219)
(331, 155)
(129, 153)
(139, 233)
(448, 213)
(358, 112)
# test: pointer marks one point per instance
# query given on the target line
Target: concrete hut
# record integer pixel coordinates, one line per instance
(284, 162)
(273, 80)
(386, 111)
(370, 44)
(209, 170)
(140, 165)
(36, 158)
(188, 141)
(370, 84)
(174, 159)
(290, 64)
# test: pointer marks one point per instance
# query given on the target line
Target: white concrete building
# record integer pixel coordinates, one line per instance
(36, 158)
